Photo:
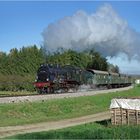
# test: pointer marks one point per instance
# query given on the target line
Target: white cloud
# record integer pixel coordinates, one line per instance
(103, 30)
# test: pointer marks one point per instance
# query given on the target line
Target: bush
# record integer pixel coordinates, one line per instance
(16, 83)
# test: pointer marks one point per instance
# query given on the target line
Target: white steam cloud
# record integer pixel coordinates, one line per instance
(104, 30)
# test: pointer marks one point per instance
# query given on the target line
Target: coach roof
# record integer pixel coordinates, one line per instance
(98, 71)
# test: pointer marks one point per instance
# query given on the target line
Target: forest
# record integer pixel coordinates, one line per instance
(18, 67)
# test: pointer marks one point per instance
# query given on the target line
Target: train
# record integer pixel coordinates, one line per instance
(52, 78)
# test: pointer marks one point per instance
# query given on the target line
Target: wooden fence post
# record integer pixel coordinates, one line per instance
(137, 117)
(121, 115)
(115, 116)
(128, 117)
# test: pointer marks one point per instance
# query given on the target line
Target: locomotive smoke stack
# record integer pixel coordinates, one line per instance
(103, 30)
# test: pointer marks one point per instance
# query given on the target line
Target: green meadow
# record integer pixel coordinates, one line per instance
(58, 109)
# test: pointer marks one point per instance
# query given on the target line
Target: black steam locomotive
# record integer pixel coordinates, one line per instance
(52, 78)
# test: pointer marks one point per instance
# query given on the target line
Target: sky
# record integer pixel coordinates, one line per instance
(22, 23)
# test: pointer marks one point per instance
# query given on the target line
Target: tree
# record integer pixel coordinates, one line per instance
(19, 67)
(112, 68)
(97, 61)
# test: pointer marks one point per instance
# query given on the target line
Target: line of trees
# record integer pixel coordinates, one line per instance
(18, 68)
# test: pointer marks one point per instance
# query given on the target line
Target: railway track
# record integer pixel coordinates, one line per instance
(43, 97)
(4, 95)
(37, 94)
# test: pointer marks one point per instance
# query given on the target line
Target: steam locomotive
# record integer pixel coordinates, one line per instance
(52, 78)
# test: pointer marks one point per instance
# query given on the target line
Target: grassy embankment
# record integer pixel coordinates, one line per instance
(100, 130)
(33, 112)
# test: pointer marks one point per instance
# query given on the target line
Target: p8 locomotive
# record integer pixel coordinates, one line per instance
(52, 78)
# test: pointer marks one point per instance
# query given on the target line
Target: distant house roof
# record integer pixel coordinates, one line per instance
(137, 81)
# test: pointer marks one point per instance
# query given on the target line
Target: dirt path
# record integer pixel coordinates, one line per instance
(45, 126)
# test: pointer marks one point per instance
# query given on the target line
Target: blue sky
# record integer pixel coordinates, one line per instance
(21, 23)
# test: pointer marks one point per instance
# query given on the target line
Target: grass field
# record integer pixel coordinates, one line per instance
(100, 130)
(33, 112)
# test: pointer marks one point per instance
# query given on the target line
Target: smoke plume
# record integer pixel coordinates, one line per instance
(104, 30)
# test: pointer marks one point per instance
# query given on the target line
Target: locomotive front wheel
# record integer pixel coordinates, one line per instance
(41, 91)
(50, 90)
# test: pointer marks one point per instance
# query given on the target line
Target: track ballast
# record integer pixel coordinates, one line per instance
(44, 97)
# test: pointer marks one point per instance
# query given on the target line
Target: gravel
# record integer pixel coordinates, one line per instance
(57, 96)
